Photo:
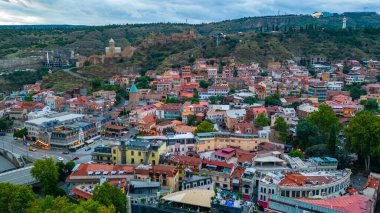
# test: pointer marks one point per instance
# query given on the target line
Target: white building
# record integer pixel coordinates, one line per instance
(335, 85)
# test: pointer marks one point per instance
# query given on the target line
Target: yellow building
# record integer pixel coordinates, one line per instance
(138, 152)
(218, 140)
(167, 175)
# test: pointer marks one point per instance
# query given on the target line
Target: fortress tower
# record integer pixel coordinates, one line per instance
(133, 97)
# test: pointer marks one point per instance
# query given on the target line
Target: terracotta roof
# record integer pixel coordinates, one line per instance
(218, 163)
(301, 180)
(238, 172)
(185, 128)
(170, 171)
(186, 160)
(349, 204)
(84, 168)
(81, 193)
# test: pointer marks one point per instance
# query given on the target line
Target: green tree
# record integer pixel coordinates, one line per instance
(296, 153)
(15, 198)
(51, 204)
(318, 150)
(204, 84)
(324, 119)
(250, 100)
(191, 120)
(264, 74)
(378, 78)
(20, 133)
(363, 136)
(346, 69)
(46, 172)
(29, 98)
(262, 120)
(282, 127)
(273, 100)
(143, 82)
(307, 134)
(370, 104)
(5, 124)
(96, 83)
(94, 206)
(356, 92)
(332, 140)
(108, 195)
(205, 126)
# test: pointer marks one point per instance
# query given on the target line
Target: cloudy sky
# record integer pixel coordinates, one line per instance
(101, 12)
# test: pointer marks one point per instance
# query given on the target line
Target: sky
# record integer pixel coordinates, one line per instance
(103, 12)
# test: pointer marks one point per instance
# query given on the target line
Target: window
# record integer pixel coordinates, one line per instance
(114, 151)
(132, 153)
(187, 186)
(132, 161)
(139, 153)
(201, 183)
(194, 185)
(225, 179)
(153, 154)
(225, 186)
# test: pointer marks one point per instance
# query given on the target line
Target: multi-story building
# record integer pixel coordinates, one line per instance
(178, 144)
(53, 128)
(183, 163)
(318, 91)
(218, 90)
(233, 117)
(216, 116)
(220, 172)
(55, 102)
(138, 152)
(169, 111)
(92, 173)
(315, 184)
(216, 140)
(167, 175)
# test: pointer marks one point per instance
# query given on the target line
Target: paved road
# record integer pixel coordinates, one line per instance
(19, 176)
(18, 147)
(5, 164)
(68, 71)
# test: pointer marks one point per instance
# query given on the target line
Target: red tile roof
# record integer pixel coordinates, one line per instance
(186, 160)
(84, 168)
(238, 172)
(81, 193)
(349, 204)
(218, 163)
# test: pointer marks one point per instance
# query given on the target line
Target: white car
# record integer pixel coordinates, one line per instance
(60, 158)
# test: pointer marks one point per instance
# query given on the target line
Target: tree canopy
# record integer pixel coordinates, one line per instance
(250, 100)
(204, 84)
(273, 100)
(363, 136)
(324, 119)
(46, 172)
(110, 195)
(262, 120)
(307, 134)
(205, 126)
(15, 198)
(282, 127)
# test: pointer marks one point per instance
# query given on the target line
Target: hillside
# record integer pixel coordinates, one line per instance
(19, 41)
(248, 39)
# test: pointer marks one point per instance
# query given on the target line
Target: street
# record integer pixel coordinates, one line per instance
(18, 147)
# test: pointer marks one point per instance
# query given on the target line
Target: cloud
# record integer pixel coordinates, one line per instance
(101, 12)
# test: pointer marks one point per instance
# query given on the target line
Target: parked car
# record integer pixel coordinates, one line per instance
(60, 158)
(75, 158)
(65, 152)
(45, 156)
